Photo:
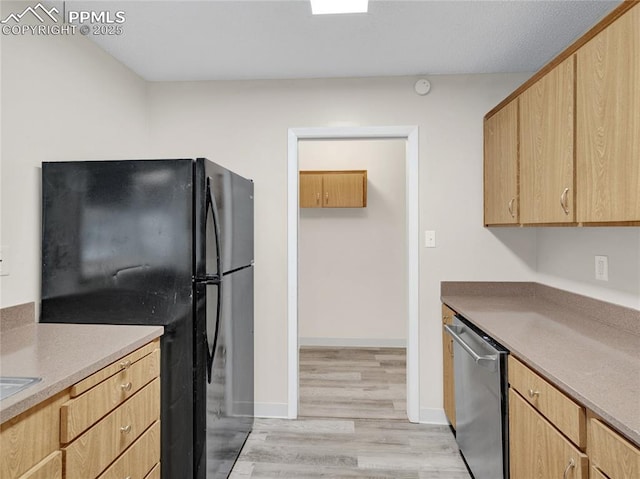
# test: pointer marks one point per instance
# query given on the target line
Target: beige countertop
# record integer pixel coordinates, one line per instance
(62, 354)
(575, 343)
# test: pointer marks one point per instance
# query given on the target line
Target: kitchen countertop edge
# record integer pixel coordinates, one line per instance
(24, 400)
(456, 302)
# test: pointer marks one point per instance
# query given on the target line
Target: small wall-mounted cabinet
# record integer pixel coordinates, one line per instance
(333, 189)
(574, 156)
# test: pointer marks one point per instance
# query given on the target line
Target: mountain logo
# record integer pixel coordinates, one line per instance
(39, 11)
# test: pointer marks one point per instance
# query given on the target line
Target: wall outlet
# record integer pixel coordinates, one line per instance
(602, 268)
(4, 261)
(429, 239)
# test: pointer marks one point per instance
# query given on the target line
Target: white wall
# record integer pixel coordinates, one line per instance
(565, 260)
(243, 125)
(351, 261)
(63, 98)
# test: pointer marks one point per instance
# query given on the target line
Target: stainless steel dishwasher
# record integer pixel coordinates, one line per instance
(480, 374)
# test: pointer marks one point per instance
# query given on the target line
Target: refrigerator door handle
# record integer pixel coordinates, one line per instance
(211, 354)
(214, 279)
(211, 203)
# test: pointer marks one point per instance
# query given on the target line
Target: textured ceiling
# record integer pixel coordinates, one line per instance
(207, 40)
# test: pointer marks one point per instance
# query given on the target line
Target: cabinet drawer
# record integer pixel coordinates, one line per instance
(537, 449)
(596, 474)
(155, 473)
(93, 451)
(139, 459)
(564, 413)
(613, 455)
(30, 437)
(113, 368)
(49, 468)
(78, 414)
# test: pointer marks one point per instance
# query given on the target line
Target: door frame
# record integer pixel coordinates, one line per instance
(410, 134)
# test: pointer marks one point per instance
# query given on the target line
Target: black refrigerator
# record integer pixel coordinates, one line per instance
(163, 242)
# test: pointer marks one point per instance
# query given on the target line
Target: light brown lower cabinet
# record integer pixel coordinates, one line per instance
(106, 426)
(596, 474)
(91, 453)
(49, 468)
(611, 455)
(448, 385)
(139, 459)
(155, 473)
(552, 436)
(537, 449)
(30, 437)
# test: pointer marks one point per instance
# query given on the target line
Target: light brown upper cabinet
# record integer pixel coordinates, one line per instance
(333, 189)
(576, 157)
(608, 123)
(546, 148)
(501, 166)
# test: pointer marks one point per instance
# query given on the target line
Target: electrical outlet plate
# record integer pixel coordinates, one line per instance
(602, 268)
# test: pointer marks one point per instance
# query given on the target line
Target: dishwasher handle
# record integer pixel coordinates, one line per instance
(488, 362)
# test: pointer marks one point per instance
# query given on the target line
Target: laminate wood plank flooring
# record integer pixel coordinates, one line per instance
(363, 383)
(310, 448)
(361, 430)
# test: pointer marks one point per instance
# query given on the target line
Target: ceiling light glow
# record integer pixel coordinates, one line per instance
(324, 7)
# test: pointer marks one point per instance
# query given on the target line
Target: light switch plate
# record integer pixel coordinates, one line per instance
(602, 268)
(4, 261)
(429, 239)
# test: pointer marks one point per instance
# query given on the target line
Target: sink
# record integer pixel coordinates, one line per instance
(10, 385)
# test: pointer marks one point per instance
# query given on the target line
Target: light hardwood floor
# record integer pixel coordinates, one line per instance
(333, 383)
(362, 383)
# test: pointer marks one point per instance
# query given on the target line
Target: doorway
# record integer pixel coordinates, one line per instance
(410, 135)
(352, 279)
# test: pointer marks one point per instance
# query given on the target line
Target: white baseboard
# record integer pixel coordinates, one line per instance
(271, 410)
(433, 416)
(354, 342)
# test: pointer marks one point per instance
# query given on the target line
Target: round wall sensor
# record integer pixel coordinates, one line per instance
(422, 87)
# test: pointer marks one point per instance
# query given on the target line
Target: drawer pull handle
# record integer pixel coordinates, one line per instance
(570, 466)
(511, 208)
(533, 393)
(125, 364)
(126, 429)
(126, 387)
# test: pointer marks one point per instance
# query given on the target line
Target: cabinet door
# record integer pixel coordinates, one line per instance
(448, 385)
(546, 148)
(537, 449)
(343, 190)
(311, 190)
(611, 454)
(501, 166)
(30, 437)
(608, 124)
